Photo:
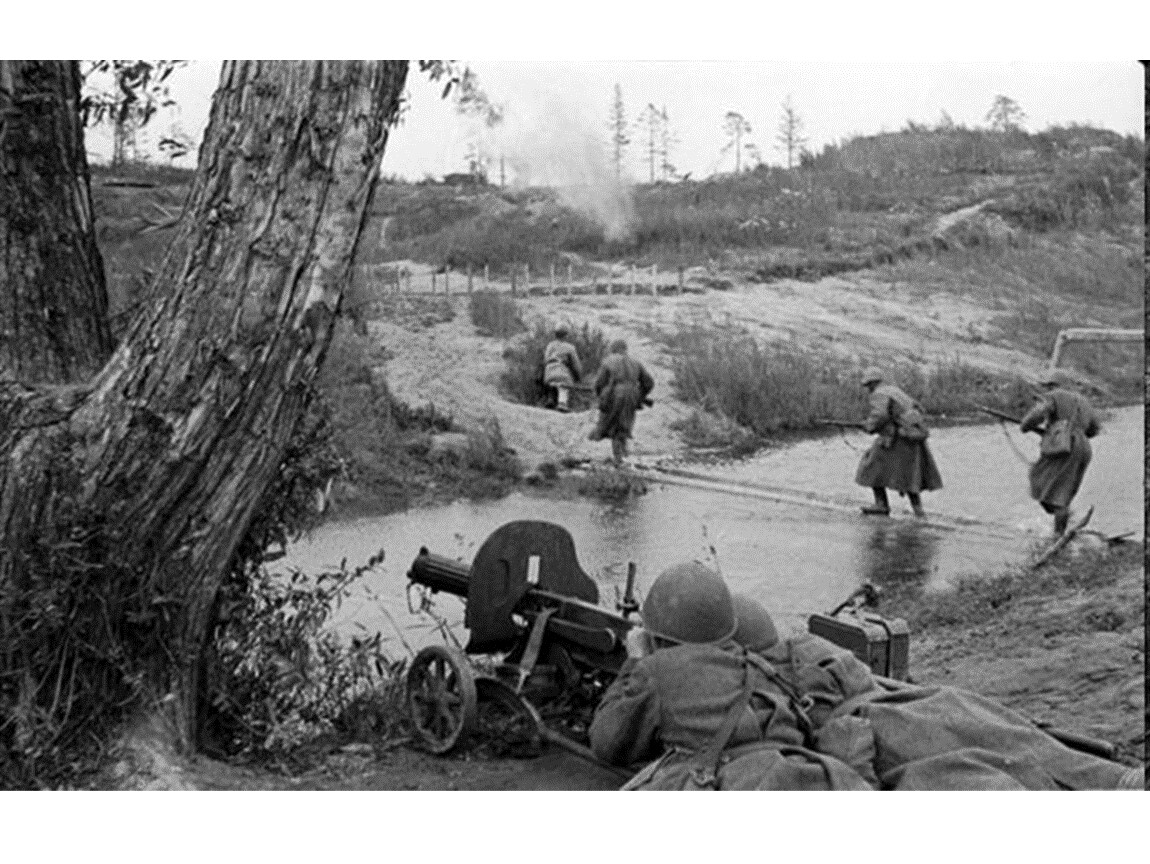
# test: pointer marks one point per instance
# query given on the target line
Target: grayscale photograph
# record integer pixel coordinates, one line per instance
(572, 425)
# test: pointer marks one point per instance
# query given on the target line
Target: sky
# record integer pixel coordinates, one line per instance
(569, 102)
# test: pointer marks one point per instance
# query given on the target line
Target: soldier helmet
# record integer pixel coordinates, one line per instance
(689, 603)
(872, 375)
(755, 630)
(619, 346)
(1052, 378)
(561, 330)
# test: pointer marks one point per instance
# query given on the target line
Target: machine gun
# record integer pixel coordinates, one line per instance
(528, 601)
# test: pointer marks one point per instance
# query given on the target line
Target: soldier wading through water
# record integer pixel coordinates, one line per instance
(710, 713)
(622, 387)
(1066, 421)
(899, 458)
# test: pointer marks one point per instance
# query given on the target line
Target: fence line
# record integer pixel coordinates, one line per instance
(631, 281)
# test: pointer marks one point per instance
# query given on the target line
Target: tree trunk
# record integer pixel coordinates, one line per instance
(53, 300)
(155, 468)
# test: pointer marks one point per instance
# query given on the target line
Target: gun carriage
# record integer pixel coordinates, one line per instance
(531, 607)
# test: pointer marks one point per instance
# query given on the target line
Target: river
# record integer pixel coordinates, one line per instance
(795, 558)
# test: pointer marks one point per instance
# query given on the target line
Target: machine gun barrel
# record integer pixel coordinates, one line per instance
(440, 573)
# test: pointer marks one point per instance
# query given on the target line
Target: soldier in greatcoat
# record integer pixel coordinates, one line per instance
(561, 367)
(916, 737)
(622, 387)
(899, 458)
(1056, 477)
(711, 714)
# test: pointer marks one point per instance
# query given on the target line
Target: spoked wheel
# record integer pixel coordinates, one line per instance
(441, 698)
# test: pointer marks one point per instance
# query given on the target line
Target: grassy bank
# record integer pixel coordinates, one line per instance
(390, 454)
(1065, 644)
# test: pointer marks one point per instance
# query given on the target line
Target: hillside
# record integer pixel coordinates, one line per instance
(944, 249)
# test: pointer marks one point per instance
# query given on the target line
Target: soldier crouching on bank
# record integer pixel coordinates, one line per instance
(561, 368)
(710, 713)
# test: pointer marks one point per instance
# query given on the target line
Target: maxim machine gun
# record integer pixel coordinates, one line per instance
(529, 603)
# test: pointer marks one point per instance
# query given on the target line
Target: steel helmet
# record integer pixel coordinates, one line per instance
(872, 375)
(755, 630)
(689, 603)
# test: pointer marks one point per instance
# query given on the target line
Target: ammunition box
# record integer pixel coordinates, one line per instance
(881, 643)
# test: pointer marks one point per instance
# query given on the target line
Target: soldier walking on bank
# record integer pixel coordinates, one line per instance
(622, 387)
(899, 458)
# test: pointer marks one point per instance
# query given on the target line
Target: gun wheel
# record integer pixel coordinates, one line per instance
(441, 698)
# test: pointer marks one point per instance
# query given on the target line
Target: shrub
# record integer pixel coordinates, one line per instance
(495, 314)
(282, 681)
(522, 380)
(709, 430)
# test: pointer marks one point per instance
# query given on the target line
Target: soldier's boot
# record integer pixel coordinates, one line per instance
(564, 399)
(881, 506)
(1061, 520)
(618, 451)
(916, 504)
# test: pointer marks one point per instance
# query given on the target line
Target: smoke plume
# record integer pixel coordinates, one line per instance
(555, 146)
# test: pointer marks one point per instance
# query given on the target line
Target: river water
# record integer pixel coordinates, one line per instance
(795, 558)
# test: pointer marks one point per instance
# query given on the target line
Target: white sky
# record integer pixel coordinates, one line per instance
(851, 67)
(835, 99)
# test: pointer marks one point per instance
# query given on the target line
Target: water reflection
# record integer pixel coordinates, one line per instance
(899, 557)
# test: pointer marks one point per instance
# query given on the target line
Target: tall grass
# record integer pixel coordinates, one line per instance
(782, 387)
(495, 314)
(522, 380)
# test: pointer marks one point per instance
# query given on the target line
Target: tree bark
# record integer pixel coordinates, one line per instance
(53, 300)
(165, 455)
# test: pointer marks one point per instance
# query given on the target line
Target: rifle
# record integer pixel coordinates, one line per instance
(842, 424)
(1001, 415)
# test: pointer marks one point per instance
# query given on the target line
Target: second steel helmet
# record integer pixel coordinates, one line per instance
(755, 629)
(872, 375)
(689, 603)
